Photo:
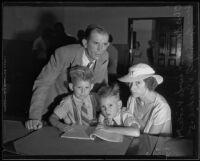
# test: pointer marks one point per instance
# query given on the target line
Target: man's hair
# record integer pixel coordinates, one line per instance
(96, 28)
(108, 91)
(81, 73)
(151, 83)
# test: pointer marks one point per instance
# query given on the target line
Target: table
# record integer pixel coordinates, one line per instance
(13, 130)
(47, 141)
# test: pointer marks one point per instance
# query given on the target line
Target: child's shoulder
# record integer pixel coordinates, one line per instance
(93, 95)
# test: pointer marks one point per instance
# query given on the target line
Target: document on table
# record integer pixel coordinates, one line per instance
(90, 133)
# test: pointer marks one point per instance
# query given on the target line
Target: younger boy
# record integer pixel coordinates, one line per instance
(80, 106)
(112, 118)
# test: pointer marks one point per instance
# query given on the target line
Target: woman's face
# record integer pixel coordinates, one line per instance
(137, 88)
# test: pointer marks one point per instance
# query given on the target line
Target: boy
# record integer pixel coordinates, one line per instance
(80, 106)
(112, 118)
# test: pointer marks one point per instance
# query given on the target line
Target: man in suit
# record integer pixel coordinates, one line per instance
(53, 79)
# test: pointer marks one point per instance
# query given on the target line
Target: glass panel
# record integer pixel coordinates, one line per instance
(173, 44)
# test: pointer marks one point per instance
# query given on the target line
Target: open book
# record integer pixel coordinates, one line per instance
(90, 133)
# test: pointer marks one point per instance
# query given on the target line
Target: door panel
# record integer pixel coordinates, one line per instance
(166, 34)
(169, 43)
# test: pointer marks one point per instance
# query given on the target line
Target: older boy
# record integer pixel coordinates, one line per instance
(80, 106)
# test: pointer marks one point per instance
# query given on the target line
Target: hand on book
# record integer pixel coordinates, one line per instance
(100, 126)
(103, 127)
(65, 127)
(108, 121)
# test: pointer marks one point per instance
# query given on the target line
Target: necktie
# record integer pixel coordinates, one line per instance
(114, 123)
(84, 115)
(90, 64)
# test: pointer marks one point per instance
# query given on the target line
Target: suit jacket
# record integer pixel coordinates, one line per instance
(53, 79)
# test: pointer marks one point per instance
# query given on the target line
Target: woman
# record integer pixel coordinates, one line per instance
(149, 108)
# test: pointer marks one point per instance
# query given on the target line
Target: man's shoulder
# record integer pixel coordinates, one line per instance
(104, 57)
(70, 47)
(112, 48)
(69, 50)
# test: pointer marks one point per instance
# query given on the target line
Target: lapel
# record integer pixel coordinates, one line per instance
(78, 57)
(100, 64)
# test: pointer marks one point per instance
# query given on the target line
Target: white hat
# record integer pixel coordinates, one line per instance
(139, 72)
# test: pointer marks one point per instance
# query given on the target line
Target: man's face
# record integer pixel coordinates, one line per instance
(96, 45)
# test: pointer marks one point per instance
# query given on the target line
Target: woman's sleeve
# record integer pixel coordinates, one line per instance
(162, 115)
(129, 120)
(130, 105)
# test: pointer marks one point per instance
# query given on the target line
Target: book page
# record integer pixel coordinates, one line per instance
(78, 132)
(112, 137)
(90, 133)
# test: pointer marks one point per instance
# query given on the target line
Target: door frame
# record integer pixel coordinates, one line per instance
(132, 39)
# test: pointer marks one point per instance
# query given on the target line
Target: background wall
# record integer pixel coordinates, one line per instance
(21, 25)
(23, 22)
(143, 29)
(114, 19)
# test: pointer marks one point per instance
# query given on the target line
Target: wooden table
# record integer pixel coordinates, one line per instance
(47, 142)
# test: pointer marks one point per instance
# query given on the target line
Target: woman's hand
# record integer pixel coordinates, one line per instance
(100, 127)
(108, 121)
(103, 127)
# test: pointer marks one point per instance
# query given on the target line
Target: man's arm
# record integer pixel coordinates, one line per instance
(42, 84)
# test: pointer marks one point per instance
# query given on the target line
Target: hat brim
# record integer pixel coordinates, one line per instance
(127, 78)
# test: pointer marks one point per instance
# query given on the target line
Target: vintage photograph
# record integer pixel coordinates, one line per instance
(100, 80)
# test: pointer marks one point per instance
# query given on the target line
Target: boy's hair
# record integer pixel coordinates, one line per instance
(96, 28)
(79, 73)
(151, 83)
(108, 91)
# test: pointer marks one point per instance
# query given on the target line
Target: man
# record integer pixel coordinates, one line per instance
(51, 81)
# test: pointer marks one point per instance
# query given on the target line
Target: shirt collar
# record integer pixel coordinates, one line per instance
(80, 102)
(85, 59)
(117, 118)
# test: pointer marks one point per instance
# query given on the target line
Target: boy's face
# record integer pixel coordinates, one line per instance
(81, 89)
(110, 106)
